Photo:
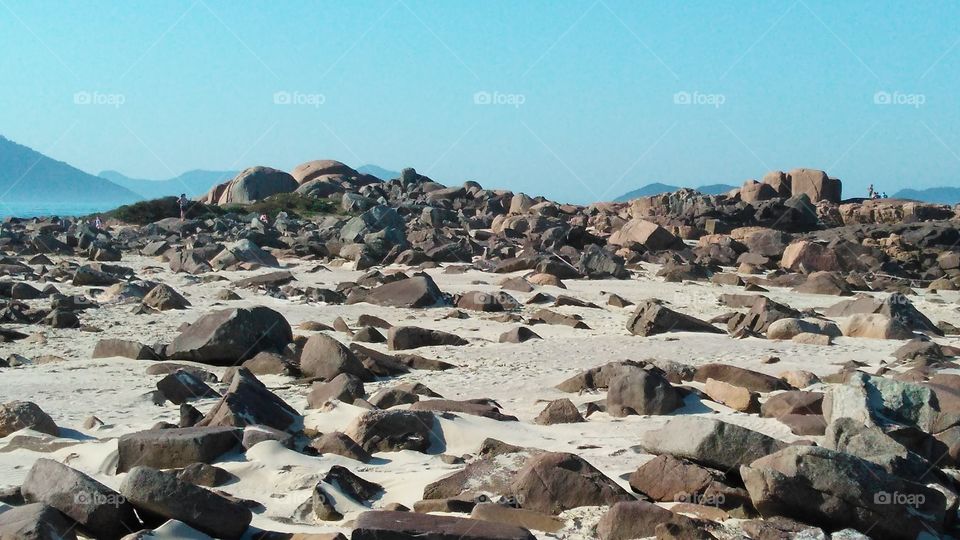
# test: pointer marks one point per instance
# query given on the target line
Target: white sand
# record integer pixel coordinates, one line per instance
(519, 376)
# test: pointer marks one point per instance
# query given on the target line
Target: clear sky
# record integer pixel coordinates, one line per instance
(575, 100)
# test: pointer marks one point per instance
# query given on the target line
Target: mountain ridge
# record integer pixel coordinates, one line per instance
(28, 176)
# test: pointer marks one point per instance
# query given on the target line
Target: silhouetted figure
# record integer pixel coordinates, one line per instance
(183, 201)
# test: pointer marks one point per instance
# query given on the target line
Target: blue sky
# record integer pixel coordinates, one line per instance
(578, 101)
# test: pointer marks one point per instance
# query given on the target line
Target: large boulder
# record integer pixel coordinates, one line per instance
(652, 317)
(638, 391)
(36, 521)
(668, 479)
(412, 337)
(312, 170)
(99, 510)
(164, 297)
(17, 415)
(415, 292)
(553, 482)
(808, 257)
(835, 490)
(880, 401)
(256, 183)
(242, 251)
(738, 376)
(324, 356)
(641, 231)
(393, 430)
(123, 348)
(249, 402)
(709, 442)
(230, 336)
(875, 326)
(387, 525)
(815, 184)
(172, 448)
(162, 494)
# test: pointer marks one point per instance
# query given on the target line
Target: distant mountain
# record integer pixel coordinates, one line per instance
(193, 183)
(938, 195)
(715, 189)
(27, 176)
(658, 188)
(379, 172)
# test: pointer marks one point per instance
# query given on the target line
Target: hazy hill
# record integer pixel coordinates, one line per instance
(939, 195)
(193, 183)
(379, 172)
(27, 176)
(658, 188)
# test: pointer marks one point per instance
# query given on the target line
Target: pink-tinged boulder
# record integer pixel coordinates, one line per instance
(816, 185)
(808, 257)
(641, 231)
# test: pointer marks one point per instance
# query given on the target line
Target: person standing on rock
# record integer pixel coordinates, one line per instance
(183, 201)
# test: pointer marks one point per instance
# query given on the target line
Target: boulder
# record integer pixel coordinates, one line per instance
(182, 386)
(163, 297)
(479, 407)
(17, 415)
(162, 494)
(387, 525)
(173, 448)
(738, 376)
(668, 479)
(344, 387)
(652, 317)
(736, 397)
(559, 411)
(393, 430)
(808, 257)
(633, 519)
(553, 482)
(229, 336)
(108, 348)
(340, 444)
(324, 356)
(709, 442)
(248, 402)
(815, 184)
(415, 292)
(412, 337)
(834, 490)
(256, 183)
(640, 231)
(99, 510)
(875, 326)
(637, 391)
(36, 521)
